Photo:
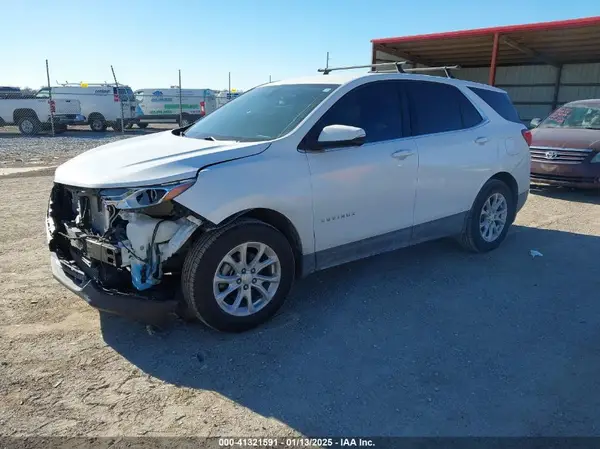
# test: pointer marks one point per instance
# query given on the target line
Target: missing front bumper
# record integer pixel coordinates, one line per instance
(138, 308)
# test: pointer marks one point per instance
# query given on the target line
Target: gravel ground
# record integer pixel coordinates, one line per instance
(17, 150)
(424, 341)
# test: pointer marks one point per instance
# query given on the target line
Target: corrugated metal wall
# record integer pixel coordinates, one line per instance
(532, 88)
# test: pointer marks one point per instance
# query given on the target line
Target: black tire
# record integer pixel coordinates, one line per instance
(471, 237)
(204, 258)
(142, 125)
(60, 129)
(29, 126)
(117, 125)
(185, 120)
(97, 123)
(129, 125)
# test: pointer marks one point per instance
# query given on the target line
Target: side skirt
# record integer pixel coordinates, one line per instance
(391, 241)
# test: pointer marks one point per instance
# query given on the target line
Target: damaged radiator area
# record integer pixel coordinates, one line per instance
(136, 248)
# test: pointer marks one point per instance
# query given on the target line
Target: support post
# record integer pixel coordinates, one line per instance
(557, 87)
(180, 105)
(492, 78)
(50, 101)
(120, 100)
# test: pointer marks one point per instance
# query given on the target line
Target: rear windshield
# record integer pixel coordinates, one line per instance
(500, 102)
(573, 116)
(263, 113)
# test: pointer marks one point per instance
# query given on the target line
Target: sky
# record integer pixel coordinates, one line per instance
(148, 41)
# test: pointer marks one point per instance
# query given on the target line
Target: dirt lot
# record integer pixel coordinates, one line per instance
(424, 341)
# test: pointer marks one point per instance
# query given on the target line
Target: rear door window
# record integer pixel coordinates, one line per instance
(438, 107)
(374, 107)
(500, 102)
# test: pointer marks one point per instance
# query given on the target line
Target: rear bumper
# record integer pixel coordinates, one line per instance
(133, 307)
(522, 199)
(583, 175)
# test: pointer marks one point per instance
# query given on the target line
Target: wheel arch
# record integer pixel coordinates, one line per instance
(280, 222)
(22, 113)
(96, 115)
(512, 184)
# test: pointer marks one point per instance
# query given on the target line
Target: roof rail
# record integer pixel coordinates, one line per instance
(395, 66)
(66, 84)
(398, 65)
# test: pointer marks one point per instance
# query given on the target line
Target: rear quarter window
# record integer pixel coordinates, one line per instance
(439, 107)
(499, 102)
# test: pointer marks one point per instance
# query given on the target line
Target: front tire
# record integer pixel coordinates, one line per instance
(142, 125)
(490, 218)
(237, 277)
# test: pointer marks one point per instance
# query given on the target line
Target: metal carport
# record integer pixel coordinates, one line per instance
(540, 65)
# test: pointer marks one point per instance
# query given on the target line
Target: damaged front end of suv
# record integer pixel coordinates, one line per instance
(121, 249)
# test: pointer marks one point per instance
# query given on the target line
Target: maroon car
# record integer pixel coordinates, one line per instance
(565, 147)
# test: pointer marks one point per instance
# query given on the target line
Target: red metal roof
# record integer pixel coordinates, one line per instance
(575, 40)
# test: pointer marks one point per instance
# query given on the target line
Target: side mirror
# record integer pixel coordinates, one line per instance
(534, 123)
(334, 136)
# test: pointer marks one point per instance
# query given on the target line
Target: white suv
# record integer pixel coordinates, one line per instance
(290, 178)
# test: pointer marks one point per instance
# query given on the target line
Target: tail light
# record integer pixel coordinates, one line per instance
(202, 109)
(115, 95)
(527, 136)
(116, 98)
(52, 106)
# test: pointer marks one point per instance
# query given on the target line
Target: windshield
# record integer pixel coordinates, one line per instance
(263, 113)
(587, 117)
(43, 93)
(126, 94)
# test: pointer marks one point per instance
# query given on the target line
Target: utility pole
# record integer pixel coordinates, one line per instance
(327, 61)
(229, 83)
(269, 78)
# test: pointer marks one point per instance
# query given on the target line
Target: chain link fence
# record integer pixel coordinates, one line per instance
(107, 106)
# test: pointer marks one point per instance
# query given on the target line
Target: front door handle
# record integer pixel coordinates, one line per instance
(482, 140)
(402, 154)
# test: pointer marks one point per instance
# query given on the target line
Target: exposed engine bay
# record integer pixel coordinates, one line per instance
(129, 239)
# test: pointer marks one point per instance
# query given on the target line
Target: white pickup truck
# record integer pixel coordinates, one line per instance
(33, 115)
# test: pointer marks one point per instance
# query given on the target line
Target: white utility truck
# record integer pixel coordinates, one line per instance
(33, 115)
(101, 103)
(163, 105)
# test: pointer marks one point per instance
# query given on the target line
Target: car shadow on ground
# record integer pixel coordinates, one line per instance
(423, 341)
(591, 196)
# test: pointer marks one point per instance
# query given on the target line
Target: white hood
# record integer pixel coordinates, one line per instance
(148, 160)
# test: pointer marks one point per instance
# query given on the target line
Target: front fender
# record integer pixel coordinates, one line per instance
(280, 182)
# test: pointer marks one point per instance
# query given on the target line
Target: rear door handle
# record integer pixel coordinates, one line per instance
(402, 154)
(482, 140)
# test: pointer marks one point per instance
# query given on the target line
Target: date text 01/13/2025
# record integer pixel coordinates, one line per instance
(295, 442)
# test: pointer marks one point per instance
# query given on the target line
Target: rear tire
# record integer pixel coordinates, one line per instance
(142, 125)
(29, 126)
(246, 279)
(97, 123)
(490, 218)
(185, 120)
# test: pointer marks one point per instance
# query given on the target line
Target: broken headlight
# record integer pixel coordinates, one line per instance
(140, 197)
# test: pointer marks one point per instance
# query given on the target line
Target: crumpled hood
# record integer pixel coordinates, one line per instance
(147, 160)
